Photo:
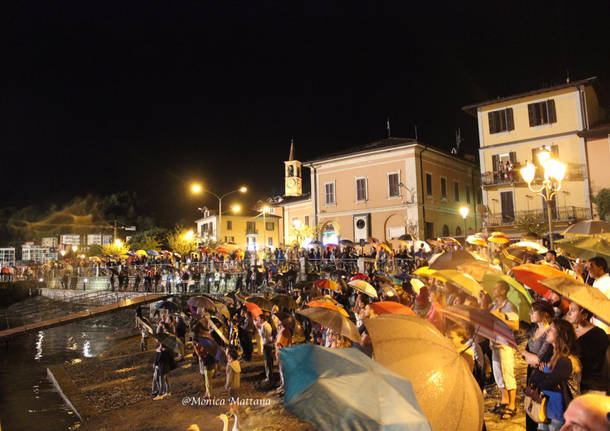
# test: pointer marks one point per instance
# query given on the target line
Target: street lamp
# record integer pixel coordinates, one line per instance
(189, 235)
(464, 212)
(554, 171)
(74, 248)
(196, 188)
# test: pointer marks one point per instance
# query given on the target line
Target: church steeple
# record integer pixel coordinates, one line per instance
(293, 183)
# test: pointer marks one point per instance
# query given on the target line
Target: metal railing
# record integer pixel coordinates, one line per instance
(493, 178)
(568, 214)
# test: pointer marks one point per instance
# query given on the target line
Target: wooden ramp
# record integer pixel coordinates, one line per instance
(57, 321)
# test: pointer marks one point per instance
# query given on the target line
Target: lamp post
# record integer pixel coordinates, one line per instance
(554, 172)
(197, 189)
(464, 212)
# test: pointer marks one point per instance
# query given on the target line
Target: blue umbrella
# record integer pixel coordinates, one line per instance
(343, 389)
(152, 253)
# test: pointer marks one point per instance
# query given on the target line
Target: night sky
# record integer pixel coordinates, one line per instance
(99, 97)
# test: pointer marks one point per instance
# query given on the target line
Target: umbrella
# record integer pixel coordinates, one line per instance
(476, 240)
(253, 308)
(334, 320)
(201, 302)
(360, 276)
(451, 241)
(132, 253)
(586, 247)
(416, 285)
(169, 341)
(372, 240)
(421, 244)
(517, 294)
(465, 281)
(364, 287)
(424, 271)
(447, 392)
(515, 253)
(345, 390)
(263, 303)
(588, 227)
(326, 298)
(222, 309)
(382, 279)
(390, 307)
(386, 247)
(451, 259)
(284, 301)
(346, 242)
(406, 237)
(485, 324)
(327, 284)
(329, 305)
(167, 305)
(532, 245)
(498, 238)
(153, 253)
(141, 253)
(531, 274)
(388, 289)
(582, 294)
(403, 276)
(478, 269)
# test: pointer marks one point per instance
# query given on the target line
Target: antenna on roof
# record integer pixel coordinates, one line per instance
(387, 126)
(416, 132)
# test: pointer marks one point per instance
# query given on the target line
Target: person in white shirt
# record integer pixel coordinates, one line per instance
(598, 269)
(266, 335)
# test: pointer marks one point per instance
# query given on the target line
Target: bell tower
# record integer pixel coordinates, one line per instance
(292, 174)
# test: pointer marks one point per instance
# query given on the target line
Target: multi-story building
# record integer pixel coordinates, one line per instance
(514, 129)
(31, 252)
(50, 241)
(7, 256)
(250, 230)
(383, 189)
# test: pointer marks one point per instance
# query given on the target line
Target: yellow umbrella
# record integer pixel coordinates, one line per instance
(498, 239)
(478, 269)
(141, 253)
(475, 240)
(424, 271)
(416, 285)
(534, 246)
(364, 287)
(445, 388)
(386, 247)
(460, 279)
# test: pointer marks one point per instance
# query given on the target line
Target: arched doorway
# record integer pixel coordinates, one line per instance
(445, 230)
(330, 232)
(458, 231)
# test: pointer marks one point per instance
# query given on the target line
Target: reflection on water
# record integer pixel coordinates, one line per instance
(28, 400)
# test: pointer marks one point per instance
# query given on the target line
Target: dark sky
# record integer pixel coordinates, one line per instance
(148, 96)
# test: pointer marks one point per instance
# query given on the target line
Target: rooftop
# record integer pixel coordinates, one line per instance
(386, 143)
(472, 109)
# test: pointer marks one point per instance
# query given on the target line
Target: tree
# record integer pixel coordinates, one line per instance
(182, 241)
(303, 232)
(115, 249)
(535, 223)
(602, 202)
(151, 239)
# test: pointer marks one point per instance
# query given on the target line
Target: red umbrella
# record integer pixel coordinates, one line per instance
(390, 307)
(485, 324)
(531, 274)
(253, 308)
(360, 276)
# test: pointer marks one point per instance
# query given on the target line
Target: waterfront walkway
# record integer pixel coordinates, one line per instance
(85, 314)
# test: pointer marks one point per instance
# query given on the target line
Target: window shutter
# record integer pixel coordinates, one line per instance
(510, 122)
(550, 106)
(495, 161)
(492, 123)
(531, 111)
(513, 158)
(555, 151)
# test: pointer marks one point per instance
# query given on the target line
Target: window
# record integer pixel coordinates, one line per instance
(428, 185)
(329, 189)
(445, 230)
(229, 225)
(501, 121)
(361, 194)
(456, 191)
(467, 194)
(306, 220)
(542, 113)
(443, 188)
(270, 242)
(429, 230)
(394, 185)
(269, 226)
(458, 231)
(250, 227)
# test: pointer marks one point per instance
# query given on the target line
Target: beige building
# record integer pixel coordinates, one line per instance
(383, 189)
(513, 129)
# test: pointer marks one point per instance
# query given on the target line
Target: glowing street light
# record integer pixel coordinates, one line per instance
(464, 212)
(74, 248)
(118, 242)
(196, 188)
(189, 235)
(236, 208)
(554, 172)
(63, 253)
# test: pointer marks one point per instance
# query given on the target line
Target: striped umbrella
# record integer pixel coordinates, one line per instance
(485, 324)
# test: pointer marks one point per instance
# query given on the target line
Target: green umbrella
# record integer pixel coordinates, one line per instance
(586, 247)
(517, 294)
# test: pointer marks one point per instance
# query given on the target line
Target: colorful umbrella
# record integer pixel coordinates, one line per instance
(476, 240)
(485, 324)
(390, 307)
(364, 287)
(517, 294)
(531, 274)
(416, 285)
(153, 253)
(588, 227)
(345, 390)
(253, 308)
(446, 390)
(263, 303)
(334, 320)
(141, 253)
(582, 294)
(327, 284)
(451, 259)
(360, 276)
(466, 282)
(478, 269)
(328, 305)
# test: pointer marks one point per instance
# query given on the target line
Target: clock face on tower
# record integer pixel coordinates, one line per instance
(291, 182)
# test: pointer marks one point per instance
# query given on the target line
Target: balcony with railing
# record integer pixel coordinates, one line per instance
(251, 231)
(574, 172)
(569, 214)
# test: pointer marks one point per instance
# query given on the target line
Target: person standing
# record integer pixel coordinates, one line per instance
(283, 339)
(162, 367)
(266, 334)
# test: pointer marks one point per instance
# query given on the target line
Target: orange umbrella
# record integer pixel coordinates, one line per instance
(253, 308)
(324, 304)
(531, 274)
(390, 307)
(327, 284)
